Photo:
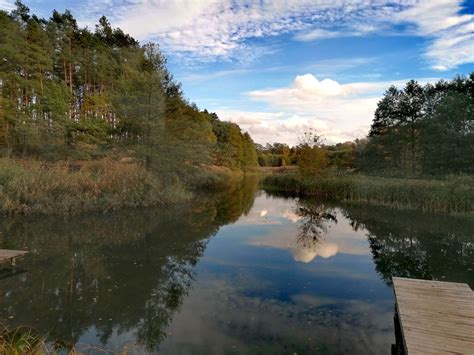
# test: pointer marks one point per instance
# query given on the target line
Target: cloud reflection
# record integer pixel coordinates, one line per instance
(305, 254)
(306, 230)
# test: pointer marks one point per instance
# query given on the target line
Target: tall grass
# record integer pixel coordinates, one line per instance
(21, 340)
(26, 340)
(29, 186)
(453, 194)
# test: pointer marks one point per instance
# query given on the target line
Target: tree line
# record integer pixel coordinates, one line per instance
(311, 155)
(422, 130)
(67, 92)
(416, 131)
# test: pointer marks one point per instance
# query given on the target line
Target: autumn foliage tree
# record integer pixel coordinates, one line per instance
(312, 158)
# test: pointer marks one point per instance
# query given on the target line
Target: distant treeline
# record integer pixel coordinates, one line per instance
(417, 131)
(339, 156)
(70, 93)
(421, 146)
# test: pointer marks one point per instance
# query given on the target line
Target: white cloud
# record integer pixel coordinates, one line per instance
(269, 127)
(433, 16)
(355, 30)
(219, 29)
(307, 254)
(340, 112)
(451, 33)
(7, 5)
(319, 34)
(210, 29)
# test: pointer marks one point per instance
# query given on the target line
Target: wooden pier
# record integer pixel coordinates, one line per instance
(11, 256)
(435, 317)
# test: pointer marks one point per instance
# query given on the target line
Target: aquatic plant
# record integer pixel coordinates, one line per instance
(452, 194)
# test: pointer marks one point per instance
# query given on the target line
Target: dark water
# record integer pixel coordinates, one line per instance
(243, 272)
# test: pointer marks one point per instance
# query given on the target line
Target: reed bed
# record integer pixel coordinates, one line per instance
(27, 341)
(454, 194)
(29, 186)
(20, 340)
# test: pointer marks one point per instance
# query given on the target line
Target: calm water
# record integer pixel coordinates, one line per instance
(244, 272)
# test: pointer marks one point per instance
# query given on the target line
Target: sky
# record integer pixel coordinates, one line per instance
(281, 67)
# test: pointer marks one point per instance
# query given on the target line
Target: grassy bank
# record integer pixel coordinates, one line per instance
(452, 195)
(30, 186)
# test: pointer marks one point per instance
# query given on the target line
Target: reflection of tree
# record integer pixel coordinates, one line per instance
(235, 199)
(417, 245)
(123, 272)
(165, 297)
(312, 225)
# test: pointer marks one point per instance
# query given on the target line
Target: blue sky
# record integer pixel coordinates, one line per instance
(280, 67)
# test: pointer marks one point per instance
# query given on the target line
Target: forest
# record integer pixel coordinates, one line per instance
(98, 114)
(70, 96)
(71, 93)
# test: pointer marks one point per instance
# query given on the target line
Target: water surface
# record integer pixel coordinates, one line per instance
(243, 272)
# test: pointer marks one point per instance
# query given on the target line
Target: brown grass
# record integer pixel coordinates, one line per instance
(30, 186)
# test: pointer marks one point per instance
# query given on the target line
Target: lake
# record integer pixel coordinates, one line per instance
(239, 272)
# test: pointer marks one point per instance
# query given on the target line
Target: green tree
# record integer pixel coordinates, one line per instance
(447, 140)
(312, 159)
(140, 103)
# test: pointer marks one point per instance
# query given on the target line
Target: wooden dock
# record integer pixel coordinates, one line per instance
(435, 317)
(11, 256)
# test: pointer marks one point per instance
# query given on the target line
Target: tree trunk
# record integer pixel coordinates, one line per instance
(65, 71)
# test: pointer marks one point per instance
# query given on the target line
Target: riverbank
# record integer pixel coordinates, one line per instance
(451, 195)
(29, 186)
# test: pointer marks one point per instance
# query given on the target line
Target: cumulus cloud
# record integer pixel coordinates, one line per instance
(340, 112)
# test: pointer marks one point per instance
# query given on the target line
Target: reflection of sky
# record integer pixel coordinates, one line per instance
(252, 294)
(268, 211)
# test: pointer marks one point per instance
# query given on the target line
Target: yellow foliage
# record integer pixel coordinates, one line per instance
(312, 160)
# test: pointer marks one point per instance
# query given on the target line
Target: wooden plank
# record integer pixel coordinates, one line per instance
(11, 255)
(406, 282)
(435, 316)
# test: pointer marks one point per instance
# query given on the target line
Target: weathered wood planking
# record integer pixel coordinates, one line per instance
(11, 255)
(435, 317)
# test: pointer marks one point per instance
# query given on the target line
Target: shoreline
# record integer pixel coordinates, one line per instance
(455, 195)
